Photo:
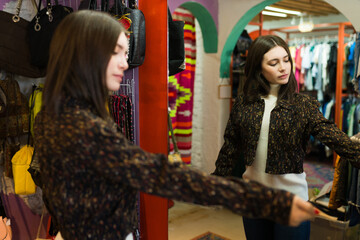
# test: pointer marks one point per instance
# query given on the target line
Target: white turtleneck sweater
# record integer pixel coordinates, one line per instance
(292, 182)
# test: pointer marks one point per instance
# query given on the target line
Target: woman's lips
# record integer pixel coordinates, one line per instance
(120, 77)
(284, 76)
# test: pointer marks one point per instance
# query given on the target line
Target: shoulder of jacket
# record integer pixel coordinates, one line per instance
(239, 99)
(306, 99)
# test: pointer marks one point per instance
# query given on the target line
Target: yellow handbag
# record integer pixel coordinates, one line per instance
(23, 182)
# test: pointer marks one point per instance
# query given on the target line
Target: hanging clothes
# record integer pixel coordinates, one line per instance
(357, 68)
(23, 221)
(354, 197)
(315, 65)
(305, 67)
(121, 109)
(298, 73)
(339, 188)
(332, 66)
(346, 184)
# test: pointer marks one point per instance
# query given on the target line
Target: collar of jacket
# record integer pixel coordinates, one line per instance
(282, 103)
(285, 104)
(80, 103)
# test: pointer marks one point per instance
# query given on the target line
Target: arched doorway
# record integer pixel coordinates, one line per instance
(187, 127)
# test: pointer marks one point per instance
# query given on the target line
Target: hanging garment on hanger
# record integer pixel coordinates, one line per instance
(338, 194)
(121, 109)
(24, 222)
(354, 197)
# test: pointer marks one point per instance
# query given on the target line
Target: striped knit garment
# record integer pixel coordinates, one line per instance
(181, 89)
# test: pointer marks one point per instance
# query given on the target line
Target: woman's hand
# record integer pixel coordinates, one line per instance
(301, 211)
(356, 138)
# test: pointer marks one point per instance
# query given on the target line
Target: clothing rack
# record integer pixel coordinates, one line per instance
(310, 40)
(332, 38)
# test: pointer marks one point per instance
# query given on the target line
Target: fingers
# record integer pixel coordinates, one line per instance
(301, 211)
(306, 206)
(356, 138)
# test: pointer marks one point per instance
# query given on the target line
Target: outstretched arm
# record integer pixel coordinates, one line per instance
(301, 211)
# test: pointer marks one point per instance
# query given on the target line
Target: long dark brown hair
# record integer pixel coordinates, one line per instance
(256, 85)
(80, 51)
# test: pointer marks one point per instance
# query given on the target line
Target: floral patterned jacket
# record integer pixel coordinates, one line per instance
(291, 125)
(92, 175)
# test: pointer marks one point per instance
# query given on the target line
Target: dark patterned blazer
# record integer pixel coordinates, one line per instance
(291, 125)
(92, 175)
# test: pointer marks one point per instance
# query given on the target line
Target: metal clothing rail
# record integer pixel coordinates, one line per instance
(319, 39)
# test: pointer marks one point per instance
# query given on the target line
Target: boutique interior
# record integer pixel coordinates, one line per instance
(304, 25)
(196, 101)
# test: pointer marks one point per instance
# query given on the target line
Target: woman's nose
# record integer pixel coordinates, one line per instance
(124, 64)
(281, 66)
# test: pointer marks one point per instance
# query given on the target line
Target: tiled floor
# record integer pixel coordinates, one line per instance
(187, 221)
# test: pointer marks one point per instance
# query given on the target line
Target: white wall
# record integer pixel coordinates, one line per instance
(350, 9)
(206, 80)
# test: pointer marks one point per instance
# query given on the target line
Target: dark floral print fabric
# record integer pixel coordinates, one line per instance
(291, 125)
(92, 174)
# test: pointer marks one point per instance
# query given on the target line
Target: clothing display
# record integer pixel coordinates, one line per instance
(356, 78)
(345, 190)
(24, 222)
(316, 62)
(121, 110)
(315, 67)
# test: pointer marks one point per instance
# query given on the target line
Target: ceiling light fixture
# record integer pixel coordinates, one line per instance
(306, 26)
(283, 10)
(293, 21)
(275, 14)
